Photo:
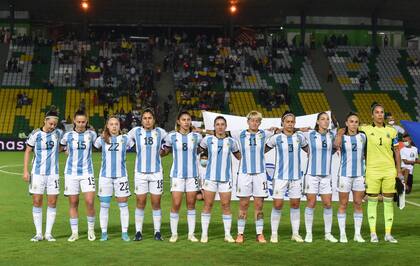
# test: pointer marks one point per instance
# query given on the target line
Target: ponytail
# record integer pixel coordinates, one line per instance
(81, 113)
(177, 127)
(351, 113)
(106, 135)
(317, 118)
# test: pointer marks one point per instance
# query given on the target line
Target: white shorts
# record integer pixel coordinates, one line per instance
(148, 183)
(38, 184)
(214, 186)
(318, 184)
(75, 184)
(254, 185)
(118, 186)
(185, 184)
(347, 184)
(293, 188)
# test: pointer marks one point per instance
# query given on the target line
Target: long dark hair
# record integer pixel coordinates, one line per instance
(150, 111)
(374, 105)
(81, 113)
(317, 118)
(286, 114)
(106, 135)
(219, 117)
(177, 127)
(347, 118)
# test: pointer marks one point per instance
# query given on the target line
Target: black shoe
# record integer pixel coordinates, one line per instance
(158, 236)
(138, 236)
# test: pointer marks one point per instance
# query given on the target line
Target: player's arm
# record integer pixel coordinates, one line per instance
(26, 163)
(397, 158)
(339, 138)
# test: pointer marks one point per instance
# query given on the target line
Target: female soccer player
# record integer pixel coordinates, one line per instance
(351, 176)
(217, 178)
(44, 142)
(148, 171)
(184, 172)
(288, 174)
(383, 166)
(79, 173)
(113, 176)
(318, 175)
(252, 179)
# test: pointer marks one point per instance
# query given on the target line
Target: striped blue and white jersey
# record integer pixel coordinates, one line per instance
(46, 148)
(352, 155)
(79, 148)
(184, 152)
(148, 145)
(219, 163)
(251, 146)
(288, 149)
(114, 155)
(321, 149)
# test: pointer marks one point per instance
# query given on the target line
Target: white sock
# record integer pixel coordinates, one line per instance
(205, 221)
(259, 226)
(227, 223)
(139, 217)
(275, 220)
(241, 226)
(37, 216)
(91, 222)
(309, 219)
(358, 218)
(328, 213)
(51, 213)
(103, 216)
(74, 225)
(124, 216)
(341, 217)
(174, 223)
(191, 221)
(157, 220)
(295, 220)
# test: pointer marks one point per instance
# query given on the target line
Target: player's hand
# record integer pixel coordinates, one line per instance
(26, 176)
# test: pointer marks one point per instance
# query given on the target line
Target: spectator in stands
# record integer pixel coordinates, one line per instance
(386, 40)
(82, 105)
(330, 74)
(362, 82)
(67, 76)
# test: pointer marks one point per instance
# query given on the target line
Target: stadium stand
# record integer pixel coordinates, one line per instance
(19, 64)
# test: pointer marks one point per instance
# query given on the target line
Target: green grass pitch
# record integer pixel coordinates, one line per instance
(16, 228)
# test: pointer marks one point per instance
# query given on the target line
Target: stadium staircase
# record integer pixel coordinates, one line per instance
(335, 96)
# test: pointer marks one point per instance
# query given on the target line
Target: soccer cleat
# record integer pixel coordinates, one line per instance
(192, 238)
(329, 237)
(158, 236)
(91, 235)
(297, 238)
(261, 239)
(240, 239)
(229, 239)
(374, 238)
(138, 236)
(104, 236)
(359, 238)
(73, 237)
(49, 238)
(125, 237)
(274, 239)
(308, 238)
(173, 238)
(390, 239)
(204, 239)
(343, 239)
(36, 238)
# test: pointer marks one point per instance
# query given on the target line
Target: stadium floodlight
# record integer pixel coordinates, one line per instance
(85, 5)
(233, 8)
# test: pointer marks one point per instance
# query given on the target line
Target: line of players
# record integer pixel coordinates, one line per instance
(249, 146)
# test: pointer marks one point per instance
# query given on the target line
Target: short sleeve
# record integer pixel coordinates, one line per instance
(303, 140)
(234, 148)
(98, 143)
(93, 134)
(416, 153)
(130, 142)
(362, 128)
(31, 140)
(63, 140)
(271, 142)
(203, 143)
(199, 137)
(132, 133)
(163, 133)
(268, 133)
(168, 140)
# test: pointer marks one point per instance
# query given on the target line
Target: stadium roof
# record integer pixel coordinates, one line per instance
(214, 12)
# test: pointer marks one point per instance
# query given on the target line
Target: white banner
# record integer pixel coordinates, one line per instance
(240, 123)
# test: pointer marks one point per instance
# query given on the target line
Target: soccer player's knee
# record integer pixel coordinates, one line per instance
(37, 202)
(242, 215)
(310, 204)
(343, 205)
(260, 215)
(225, 206)
(278, 205)
(327, 205)
(294, 205)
